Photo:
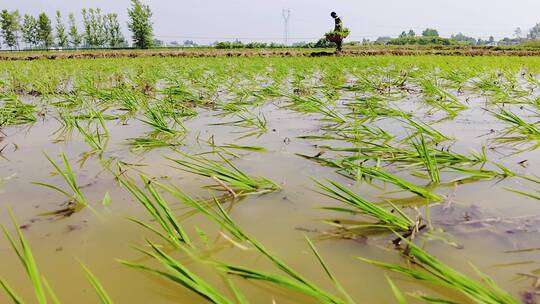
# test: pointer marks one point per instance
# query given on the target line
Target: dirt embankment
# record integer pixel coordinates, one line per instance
(195, 53)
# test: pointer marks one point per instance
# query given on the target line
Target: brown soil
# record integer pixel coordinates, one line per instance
(361, 51)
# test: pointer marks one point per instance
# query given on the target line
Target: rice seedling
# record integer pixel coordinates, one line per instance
(227, 176)
(249, 119)
(129, 100)
(436, 272)
(490, 86)
(100, 291)
(353, 170)
(77, 198)
(397, 220)
(382, 175)
(379, 80)
(481, 174)
(291, 280)
(241, 147)
(313, 104)
(439, 98)
(534, 195)
(94, 140)
(179, 92)
(500, 87)
(158, 208)
(257, 124)
(524, 132)
(373, 107)
(226, 149)
(357, 132)
(156, 118)
(149, 143)
(429, 160)
(400, 298)
(179, 274)
(426, 130)
(26, 258)
(14, 112)
(67, 122)
(42, 290)
(393, 154)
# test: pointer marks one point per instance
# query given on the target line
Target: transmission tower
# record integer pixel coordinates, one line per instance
(286, 15)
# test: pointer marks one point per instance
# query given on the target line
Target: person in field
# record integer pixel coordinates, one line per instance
(338, 28)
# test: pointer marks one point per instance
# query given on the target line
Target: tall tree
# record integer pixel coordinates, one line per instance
(9, 26)
(518, 33)
(95, 33)
(429, 32)
(45, 34)
(87, 33)
(6, 28)
(534, 32)
(460, 37)
(411, 33)
(74, 37)
(61, 36)
(30, 29)
(114, 33)
(140, 24)
(16, 17)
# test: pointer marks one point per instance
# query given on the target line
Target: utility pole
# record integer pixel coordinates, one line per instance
(286, 15)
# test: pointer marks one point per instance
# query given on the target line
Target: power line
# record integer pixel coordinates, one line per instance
(286, 16)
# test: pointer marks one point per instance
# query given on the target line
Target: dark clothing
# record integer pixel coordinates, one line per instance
(339, 24)
(339, 45)
(338, 28)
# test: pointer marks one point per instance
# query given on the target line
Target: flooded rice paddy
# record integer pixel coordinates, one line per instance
(272, 180)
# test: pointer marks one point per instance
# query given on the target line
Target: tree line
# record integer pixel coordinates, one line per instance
(99, 29)
(431, 36)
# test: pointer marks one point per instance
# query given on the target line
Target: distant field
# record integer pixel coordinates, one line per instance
(285, 52)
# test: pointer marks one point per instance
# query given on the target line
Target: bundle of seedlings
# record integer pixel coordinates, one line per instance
(336, 36)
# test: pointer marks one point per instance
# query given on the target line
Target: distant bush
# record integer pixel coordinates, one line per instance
(322, 43)
(408, 40)
(531, 43)
(229, 45)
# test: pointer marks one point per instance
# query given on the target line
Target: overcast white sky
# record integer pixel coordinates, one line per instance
(210, 20)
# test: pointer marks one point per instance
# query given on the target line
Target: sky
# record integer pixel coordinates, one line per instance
(209, 20)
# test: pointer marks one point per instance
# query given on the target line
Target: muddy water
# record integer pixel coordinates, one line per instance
(505, 221)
